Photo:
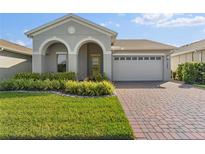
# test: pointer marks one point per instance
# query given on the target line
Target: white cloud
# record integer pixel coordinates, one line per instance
(204, 30)
(19, 42)
(25, 30)
(110, 23)
(117, 25)
(168, 20)
(152, 19)
(179, 22)
(102, 24)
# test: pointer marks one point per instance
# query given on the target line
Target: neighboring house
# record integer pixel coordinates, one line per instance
(74, 44)
(194, 52)
(14, 58)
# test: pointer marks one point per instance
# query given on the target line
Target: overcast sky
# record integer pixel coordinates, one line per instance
(174, 29)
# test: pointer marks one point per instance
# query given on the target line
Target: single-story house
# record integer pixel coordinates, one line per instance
(72, 43)
(14, 58)
(194, 52)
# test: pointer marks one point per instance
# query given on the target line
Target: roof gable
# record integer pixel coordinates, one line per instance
(195, 46)
(13, 47)
(67, 18)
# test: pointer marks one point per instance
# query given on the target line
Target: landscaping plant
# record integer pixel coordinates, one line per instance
(191, 72)
(89, 88)
(179, 72)
(85, 88)
(45, 76)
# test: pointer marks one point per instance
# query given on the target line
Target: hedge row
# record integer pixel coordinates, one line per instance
(45, 76)
(31, 84)
(85, 88)
(89, 88)
(190, 72)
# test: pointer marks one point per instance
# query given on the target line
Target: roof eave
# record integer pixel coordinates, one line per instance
(66, 17)
(186, 51)
(16, 51)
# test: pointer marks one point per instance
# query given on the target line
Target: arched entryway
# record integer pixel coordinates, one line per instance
(55, 57)
(90, 60)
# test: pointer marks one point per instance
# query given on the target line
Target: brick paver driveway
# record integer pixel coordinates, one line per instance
(163, 110)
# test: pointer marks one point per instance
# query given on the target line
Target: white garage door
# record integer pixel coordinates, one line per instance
(137, 68)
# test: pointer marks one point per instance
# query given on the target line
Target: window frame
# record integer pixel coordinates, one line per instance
(122, 58)
(116, 58)
(128, 58)
(139, 58)
(58, 54)
(134, 58)
(146, 57)
(154, 58)
(158, 58)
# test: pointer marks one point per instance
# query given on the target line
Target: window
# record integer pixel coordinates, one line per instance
(134, 58)
(116, 58)
(152, 58)
(140, 58)
(61, 62)
(158, 58)
(122, 58)
(128, 58)
(95, 60)
(146, 58)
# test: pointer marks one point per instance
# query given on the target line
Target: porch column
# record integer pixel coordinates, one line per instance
(167, 68)
(38, 62)
(72, 60)
(107, 64)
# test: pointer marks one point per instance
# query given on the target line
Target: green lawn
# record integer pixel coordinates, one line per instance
(50, 116)
(200, 85)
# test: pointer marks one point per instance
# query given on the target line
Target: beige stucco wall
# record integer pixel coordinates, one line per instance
(203, 56)
(12, 63)
(71, 41)
(198, 56)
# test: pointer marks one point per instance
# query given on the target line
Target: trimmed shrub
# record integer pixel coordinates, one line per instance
(89, 88)
(200, 67)
(179, 72)
(203, 78)
(45, 76)
(189, 73)
(85, 88)
(22, 84)
(27, 75)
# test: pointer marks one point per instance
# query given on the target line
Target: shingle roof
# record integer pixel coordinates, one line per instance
(13, 47)
(199, 45)
(140, 45)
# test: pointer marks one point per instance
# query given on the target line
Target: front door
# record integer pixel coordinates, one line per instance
(95, 67)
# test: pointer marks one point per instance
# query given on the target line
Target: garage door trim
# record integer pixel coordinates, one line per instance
(161, 73)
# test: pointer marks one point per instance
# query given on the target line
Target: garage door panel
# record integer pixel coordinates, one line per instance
(137, 70)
